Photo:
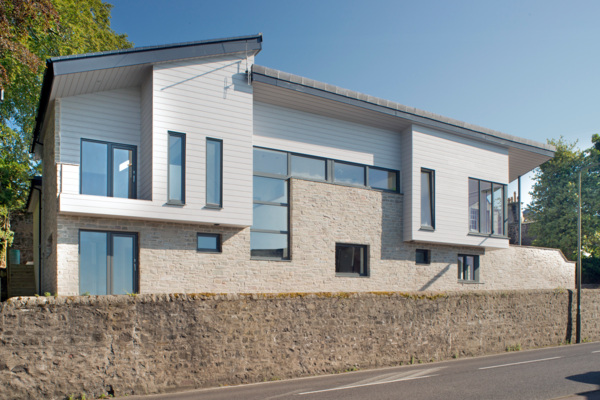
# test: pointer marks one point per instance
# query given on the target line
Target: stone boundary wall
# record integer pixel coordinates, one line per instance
(53, 347)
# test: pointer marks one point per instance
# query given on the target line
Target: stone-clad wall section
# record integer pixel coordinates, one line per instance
(321, 215)
(50, 348)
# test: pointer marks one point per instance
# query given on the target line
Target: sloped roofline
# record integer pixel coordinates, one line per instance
(139, 55)
(305, 85)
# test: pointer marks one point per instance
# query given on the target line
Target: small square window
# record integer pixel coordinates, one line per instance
(351, 259)
(468, 268)
(423, 256)
(209, 242)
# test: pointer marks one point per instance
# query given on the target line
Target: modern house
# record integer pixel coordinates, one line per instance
(189, 168)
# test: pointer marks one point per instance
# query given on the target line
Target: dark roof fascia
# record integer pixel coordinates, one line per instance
(36, 184)
(142, 55)
(335, 93)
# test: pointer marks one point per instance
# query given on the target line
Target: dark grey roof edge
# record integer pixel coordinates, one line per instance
(257, 37)
(35, 184)
(140, 55)
(291, 81)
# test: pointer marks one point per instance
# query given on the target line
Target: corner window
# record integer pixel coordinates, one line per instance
(468, 268)
(107, 169)
(176, 168)
(383, 179)
(209, 243)
(214, 173)
(351, 259)
(423, 256)
(427, 199)
(107, 263)
(487, 207)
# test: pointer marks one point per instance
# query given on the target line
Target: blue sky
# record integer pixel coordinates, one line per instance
(527, 68)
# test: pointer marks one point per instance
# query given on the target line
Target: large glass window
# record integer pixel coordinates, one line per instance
(348, 173)
(107, 169)
(308, 167)
(214, 172)
(427, 199)
(383, 179)
(468, 268)
(107, 263)
(351, 259)
(176, 168)
(487, 207)
(270, 162)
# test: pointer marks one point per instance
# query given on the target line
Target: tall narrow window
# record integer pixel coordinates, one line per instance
(473, 205)
(485, 203)
(108, 169)
(427, 199)
(176, 168)
(498, 209)
(214, 172)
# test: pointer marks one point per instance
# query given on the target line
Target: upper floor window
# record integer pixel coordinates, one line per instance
(108, 169)
(214, 172)
(427, 199)
(176, 192)
(487, 207)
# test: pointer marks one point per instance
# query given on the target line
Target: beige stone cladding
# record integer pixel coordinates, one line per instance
(321, 215)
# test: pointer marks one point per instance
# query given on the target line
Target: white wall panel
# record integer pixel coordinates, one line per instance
(292, 130)
(145, 158)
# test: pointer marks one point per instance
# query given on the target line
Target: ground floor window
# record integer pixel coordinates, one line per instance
(468, 268)
(107, 263)
(423, 256)
(351, 259)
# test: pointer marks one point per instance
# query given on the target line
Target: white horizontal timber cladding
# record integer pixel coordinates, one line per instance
(454, 159)
(301, 132)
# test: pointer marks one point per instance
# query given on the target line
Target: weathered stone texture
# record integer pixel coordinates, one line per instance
(321, 216)
(51, 347)
(21, 223)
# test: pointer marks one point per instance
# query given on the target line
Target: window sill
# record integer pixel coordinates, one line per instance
(270, 259)
(176, 204)
(471, 282)
(490, 235)
(350, 275)
(427, 228)
(209, 252)
(213, 207)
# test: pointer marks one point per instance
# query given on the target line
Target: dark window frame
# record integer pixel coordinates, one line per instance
(504, 234)
(219, 205)
(365, 260)
(217, 236)
(431, 173)
(110, 146)
(183, 155)
(475, 272)
(426, 254)
(109, 257)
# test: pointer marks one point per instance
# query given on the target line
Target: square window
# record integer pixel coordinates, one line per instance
(423, 256)
(351, 259)
(209, 243)
(468, 268)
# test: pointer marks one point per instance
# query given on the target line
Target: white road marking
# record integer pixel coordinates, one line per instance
(410, 378)
(597, 351)
(522, 362)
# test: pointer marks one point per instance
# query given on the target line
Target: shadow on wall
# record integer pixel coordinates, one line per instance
(436, 277)
(392, 244)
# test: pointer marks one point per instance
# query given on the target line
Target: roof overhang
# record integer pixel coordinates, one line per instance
(524, 154)
(35, 191)
(80, 74)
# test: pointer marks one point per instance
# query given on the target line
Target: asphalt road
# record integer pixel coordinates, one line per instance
(543, 374)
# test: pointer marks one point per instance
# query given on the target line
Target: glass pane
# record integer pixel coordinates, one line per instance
(307, 167)
(469, 268)
(473, 205)
(348, 173)
(208, 242)
(485, 202)
(273, 218)
(498, 209)
(349, 259)
(269, 161)
(213, 172)
(123, 173)
(426, 206)
(92, 263)
(270, 245)
(270, 189)
(123, 267)
(176, 168)
(382, 179)
(94, 168)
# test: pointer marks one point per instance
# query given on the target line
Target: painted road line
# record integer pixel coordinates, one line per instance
(410, 378)
(597, 351)
(522, 362)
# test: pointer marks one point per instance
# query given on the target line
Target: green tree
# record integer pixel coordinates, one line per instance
(30, 32)
(554, 201)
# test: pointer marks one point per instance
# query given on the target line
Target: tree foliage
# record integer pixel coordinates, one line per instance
(32, 31)
(555, 200)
